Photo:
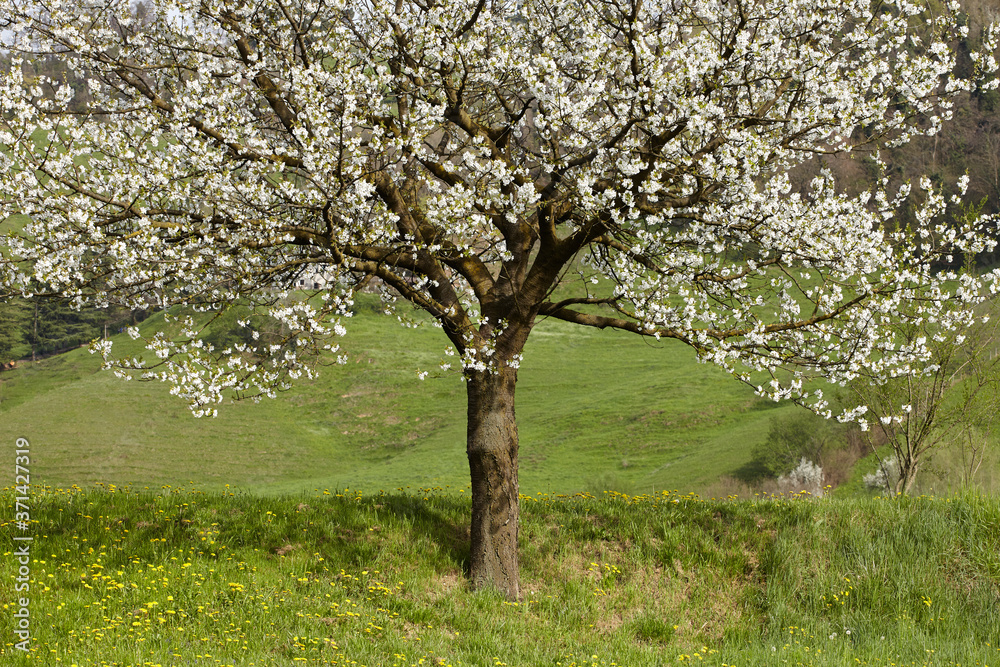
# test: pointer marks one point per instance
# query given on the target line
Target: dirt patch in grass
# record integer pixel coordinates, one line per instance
(609, 622)
(286, 549)
(445, 584)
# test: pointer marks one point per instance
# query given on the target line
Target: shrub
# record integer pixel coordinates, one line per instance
(794, 437)
(807, 476)
(226, 331)
(884, 478)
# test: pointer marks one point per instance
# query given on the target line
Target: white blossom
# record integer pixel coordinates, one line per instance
(466, 163)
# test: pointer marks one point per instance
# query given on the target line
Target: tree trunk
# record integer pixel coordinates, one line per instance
(909, 465)
(907, 476)
(34, 333)
(492, 449)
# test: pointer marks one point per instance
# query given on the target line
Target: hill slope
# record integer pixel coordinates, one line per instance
(596, 410)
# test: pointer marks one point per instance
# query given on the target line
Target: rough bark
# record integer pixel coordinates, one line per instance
(492, 449)
(908, 468)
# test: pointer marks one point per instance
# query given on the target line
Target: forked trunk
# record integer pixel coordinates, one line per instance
(908, 469)
(492, 449)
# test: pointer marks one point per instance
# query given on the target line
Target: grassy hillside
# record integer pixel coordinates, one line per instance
(597, 410)
(187, 578)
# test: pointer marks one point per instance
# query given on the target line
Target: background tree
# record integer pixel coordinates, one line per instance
(54, 326)
(792, 438)
(471, 156)
(13, 315)
(951, 403)
(39, 326)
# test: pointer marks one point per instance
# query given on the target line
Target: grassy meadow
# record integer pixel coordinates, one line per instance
(184, 577)
(597, 410)
(330, 526)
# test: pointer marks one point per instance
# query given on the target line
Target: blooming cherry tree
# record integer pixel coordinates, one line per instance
(467, 156)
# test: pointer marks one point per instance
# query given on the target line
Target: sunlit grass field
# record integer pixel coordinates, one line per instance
(178, 576)
(597, 410)
(330, 526)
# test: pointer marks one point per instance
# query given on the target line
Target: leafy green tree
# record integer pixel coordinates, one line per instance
(794, 437)
(55, 326)
(13, 317)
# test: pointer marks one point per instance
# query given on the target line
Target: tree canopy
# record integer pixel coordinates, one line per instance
(469, 157)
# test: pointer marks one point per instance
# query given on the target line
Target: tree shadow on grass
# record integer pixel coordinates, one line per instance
(346, 531)
(751, 472)
(441, 519)
(363, 530)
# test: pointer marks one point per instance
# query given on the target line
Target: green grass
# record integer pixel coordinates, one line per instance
(180, 576)
(596, 410)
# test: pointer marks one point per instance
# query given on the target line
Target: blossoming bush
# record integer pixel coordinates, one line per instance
(806, 476)
(884, 479)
